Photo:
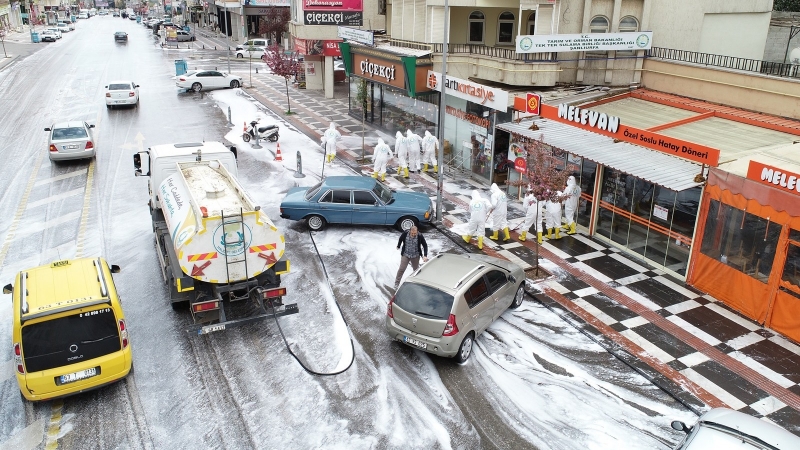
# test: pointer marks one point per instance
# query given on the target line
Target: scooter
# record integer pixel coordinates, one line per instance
(268, 132)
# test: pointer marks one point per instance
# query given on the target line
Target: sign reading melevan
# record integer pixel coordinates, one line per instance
(538, 43)
(774, 176)
(476, 93)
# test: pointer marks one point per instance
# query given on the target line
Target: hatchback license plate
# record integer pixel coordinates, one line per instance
(72, 377)
(415, 342)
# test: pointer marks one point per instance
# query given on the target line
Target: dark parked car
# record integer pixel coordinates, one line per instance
(355, 200)
(121, 36)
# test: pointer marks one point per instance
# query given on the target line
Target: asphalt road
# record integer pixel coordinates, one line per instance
(533, 381)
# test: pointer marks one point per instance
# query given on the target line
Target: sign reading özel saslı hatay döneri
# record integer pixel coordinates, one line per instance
(774, 176)
(476, 93)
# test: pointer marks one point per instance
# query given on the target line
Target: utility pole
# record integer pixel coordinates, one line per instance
(228, 32)
(442, 97)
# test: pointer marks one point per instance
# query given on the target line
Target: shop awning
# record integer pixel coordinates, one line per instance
(656, 167)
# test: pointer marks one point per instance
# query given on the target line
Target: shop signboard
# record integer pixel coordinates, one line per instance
(317, 47)
(611, 126)
(333, 5)
(532, 103)
(361, 36)
(660, 212)
(379, 70)
(464, 89)
(775, 177)
(592, 42)
(520, 165)
(352, 18)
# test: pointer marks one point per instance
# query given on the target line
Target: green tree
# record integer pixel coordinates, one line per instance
(786, 5)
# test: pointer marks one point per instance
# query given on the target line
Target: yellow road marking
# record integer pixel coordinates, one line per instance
(55, 425)
(87, 196)
(23, 205)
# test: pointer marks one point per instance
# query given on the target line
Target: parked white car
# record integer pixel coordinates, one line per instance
(48, 36)
(63, 27)
(207, 79)
(723, 428)
(55, 31)
(122, 93)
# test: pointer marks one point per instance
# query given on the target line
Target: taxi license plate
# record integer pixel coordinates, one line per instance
(73, 377)
(415, 342)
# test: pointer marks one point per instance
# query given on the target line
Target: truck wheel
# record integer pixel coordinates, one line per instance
(316, 223)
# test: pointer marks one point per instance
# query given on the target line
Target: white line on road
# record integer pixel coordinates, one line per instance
(60, 177)
(40, 226)
(54, 198)
(28, 438)
(20, 209)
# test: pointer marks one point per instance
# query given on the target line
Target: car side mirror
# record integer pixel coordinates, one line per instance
(7, 289)
(106, 87)
(511, 279)
(680, 426)
(91, 126)
(137, 161)
(115, 268)
(47, 129)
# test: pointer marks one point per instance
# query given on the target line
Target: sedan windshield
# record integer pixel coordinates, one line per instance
(382, 192)
(119, 87)
(69, 133)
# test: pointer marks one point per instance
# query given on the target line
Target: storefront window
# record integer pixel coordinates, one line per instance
(740, 240)
(587, 178)
(394, 110)
(791, 270)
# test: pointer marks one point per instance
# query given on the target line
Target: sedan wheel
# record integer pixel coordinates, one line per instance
(240, 55)
(197, 87)
(519, 297)
(405, 223)
(235, 84)
(465, 349)
(316, 222)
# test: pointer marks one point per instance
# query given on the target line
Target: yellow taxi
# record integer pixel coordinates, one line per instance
(69, 332)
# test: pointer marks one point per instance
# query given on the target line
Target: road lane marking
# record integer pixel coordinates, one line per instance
(54, 198)
(54, 429)
(60, 177)
(20, 209)
(87, 196)
(41, 226)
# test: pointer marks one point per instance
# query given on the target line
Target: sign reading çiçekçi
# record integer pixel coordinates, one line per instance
(611, 126)
(476, 93)
(774, 177)
(538, 43)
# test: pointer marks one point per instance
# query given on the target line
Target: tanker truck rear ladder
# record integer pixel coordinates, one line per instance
(238, 220)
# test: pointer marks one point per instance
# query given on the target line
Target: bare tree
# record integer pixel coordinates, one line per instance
(282, 64)
(274, 23)
(543, 174)
(361, 97)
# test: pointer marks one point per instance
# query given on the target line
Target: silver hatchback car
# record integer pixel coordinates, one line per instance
(448, 302)
(70, 140)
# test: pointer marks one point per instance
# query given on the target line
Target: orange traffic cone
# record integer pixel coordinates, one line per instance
(245, 126)
(278, 156)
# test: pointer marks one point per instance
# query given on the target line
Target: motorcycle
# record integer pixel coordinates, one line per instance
(268, 132)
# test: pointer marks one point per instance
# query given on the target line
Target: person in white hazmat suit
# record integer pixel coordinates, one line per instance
(413, 142)
(430, 145)
(499, 213)
(401, 150)
(478, 210)
(571, 204)
(381, 157)
(552, 217)
(534, 214)
(329, 139)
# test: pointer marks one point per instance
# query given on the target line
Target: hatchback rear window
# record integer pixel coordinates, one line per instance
(69, 133)
(70, 339)
(119, 87)
(424, 301)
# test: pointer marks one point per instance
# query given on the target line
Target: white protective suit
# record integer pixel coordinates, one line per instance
(534, 212)
(478, 209)
(401, 150)
(571, 204)
(381, 157)
(429, 147)
(499, 208)
(413, 142)
(553, 216)
(329, 140)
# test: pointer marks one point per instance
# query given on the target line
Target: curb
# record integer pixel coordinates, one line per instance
(6, 62)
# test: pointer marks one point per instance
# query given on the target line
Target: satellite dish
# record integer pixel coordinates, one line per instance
(794, 56)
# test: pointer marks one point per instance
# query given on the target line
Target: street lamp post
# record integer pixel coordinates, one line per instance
(228, 32)
(442, 107)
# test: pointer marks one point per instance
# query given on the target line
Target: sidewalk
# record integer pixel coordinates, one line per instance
(687, 343)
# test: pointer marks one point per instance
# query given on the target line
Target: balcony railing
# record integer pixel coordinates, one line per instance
(477, 50)
(727, 62)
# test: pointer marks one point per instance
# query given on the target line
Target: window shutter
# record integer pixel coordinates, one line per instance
(436, 25)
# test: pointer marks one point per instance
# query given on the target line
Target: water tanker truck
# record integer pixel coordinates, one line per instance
(220, 254)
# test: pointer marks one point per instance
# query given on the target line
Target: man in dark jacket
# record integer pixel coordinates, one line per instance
(412, 245)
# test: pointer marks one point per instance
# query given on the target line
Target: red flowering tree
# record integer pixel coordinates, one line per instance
(282, 64)
(543, 174)
(274, 23)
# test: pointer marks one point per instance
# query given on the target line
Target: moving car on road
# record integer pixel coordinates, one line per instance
(70, 140)
(446, 304)
(355, 200)
(122, 93)
(121, 36)
(184, 36)
(723, 428)
(68, 329)
(207, 79)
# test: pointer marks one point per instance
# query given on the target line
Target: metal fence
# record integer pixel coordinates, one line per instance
(476, 49)
(728, 62)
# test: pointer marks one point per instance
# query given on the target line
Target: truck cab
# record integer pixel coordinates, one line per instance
(160, 161)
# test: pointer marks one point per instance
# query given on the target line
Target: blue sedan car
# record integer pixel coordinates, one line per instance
(355, 200)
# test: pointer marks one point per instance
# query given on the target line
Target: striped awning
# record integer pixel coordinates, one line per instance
(656, 167)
